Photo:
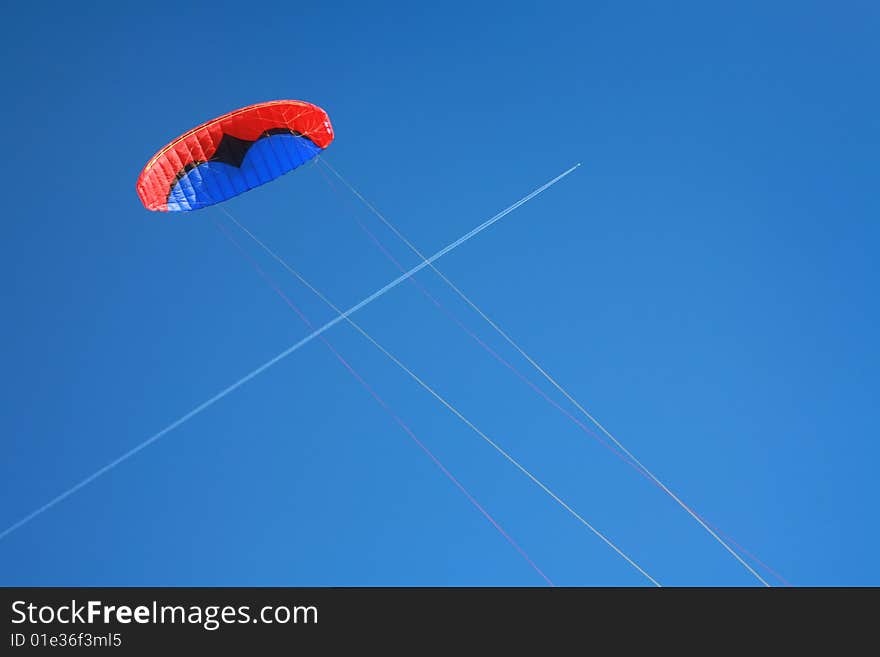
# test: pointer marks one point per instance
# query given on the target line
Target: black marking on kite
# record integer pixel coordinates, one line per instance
(185, 170)
(231, 150)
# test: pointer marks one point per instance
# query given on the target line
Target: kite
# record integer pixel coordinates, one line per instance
(232, 154)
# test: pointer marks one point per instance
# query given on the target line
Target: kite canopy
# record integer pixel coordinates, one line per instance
(233, 153)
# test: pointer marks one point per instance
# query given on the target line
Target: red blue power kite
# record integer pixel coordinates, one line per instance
(233, 153)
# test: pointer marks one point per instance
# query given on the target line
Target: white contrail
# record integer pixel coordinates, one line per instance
(284, 354)
(442, 400)
(542, 371)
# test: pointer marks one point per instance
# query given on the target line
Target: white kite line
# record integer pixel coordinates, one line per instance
(275, 359)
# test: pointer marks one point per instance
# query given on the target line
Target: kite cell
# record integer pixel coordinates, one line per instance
(233, 153)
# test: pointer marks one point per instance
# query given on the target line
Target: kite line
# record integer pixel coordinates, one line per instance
(382, 403)
(277, 358)
(442, 400)
(628, 455)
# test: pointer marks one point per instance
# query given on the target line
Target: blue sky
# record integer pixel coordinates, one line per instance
(705, 284)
